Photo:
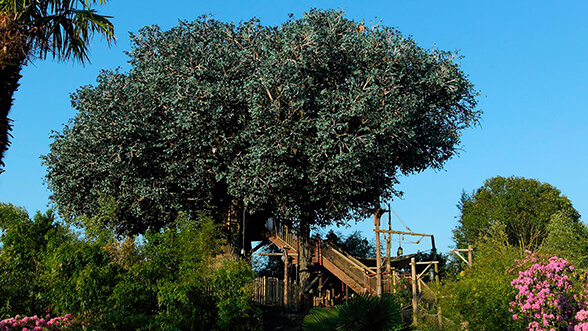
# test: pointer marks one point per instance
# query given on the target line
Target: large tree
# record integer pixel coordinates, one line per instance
(311, 123)
(159, 139)
(36, 28)
(523, 206)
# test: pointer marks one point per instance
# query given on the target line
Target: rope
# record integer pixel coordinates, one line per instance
(400, 219)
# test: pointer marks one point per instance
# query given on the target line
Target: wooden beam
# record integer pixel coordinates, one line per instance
(377, 216)
(405, 233)
(414, 290)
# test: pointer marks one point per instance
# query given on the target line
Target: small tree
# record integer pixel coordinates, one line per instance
(524, 206)
(471, 297)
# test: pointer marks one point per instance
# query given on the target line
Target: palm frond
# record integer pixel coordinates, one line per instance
(61, 28)
(366, 312)
(321, 319)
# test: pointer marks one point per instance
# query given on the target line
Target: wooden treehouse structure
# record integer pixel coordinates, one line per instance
(337, 274)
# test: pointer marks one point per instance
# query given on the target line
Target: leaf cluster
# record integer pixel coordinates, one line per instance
(23, 244)
(361, 312)
(479, 297)
(61, 28)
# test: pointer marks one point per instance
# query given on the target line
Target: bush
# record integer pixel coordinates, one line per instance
(24, 243)
(167, 280)
(551, 295)
(362, 312)
(35, 323)
(233, 290)
(480, 296)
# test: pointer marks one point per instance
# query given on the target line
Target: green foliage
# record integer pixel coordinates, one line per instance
(24, 243)
(322, 319)
(365, 312)
(233, 284)
(80, 277)
(325, 103)
(309, 119)
(480, 297)
(503, 218)
(567, 238)
(61, 28)
(167, 280)
(354, 244)
(362, 312)
(524, 206)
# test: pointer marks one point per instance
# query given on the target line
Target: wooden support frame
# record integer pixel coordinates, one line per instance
(470, 255)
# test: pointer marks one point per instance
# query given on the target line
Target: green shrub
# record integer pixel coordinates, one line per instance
(24, 243)
(167, 280)
(362, 312)
(233, 290)
(480, 296)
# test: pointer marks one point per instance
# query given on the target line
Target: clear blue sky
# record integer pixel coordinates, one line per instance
(529, 59)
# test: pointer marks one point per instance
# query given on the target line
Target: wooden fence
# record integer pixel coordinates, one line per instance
(270, 291)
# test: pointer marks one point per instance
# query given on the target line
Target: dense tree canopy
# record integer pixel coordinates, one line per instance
(311, 121)
(524, 206)
(30, 29)
(158, 139)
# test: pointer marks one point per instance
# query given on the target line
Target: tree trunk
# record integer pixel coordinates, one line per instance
(304, 253)
(234, 227)
(9, 77)
(12, 56)
(239, 236)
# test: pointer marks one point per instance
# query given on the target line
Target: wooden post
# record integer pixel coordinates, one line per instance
(346, 291)
(377, 214)
(470, 255)
(439, 317)
(264, 291)
(286, 279)
(389, 247)
(320, 285)
(414, 289)
(394, 280)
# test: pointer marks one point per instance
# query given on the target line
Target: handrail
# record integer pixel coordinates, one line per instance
(283, 232)
(351, 260)
(351, 268)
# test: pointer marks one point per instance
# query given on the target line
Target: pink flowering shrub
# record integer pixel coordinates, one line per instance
(550, 295)
(36, 323)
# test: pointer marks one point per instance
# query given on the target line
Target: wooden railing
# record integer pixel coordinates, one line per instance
(344, 266)
(270, 291)
(352, 269)
(283, 232)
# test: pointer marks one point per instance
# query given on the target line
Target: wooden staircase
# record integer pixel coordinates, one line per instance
(342, 265)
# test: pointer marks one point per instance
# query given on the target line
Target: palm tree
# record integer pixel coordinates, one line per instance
(32, 29)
